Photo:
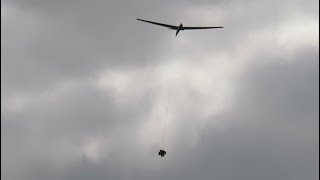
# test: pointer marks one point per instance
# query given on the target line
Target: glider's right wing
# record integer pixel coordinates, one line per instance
(187, 28)
(160, 24)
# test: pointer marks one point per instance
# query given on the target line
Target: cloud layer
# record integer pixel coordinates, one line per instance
(85, 88)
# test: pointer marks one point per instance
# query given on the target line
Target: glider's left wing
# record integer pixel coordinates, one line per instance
(160, 24)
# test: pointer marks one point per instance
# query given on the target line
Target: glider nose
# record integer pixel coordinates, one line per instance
(177, 32)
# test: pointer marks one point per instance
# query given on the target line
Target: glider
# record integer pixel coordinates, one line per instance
(177, 28)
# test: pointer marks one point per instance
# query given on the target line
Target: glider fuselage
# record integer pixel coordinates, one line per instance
(180, 27)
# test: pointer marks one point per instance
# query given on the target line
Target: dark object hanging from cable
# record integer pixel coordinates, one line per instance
(162, 153)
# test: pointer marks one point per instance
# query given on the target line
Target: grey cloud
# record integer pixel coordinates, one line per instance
(73, 42)
(268, 134)
(101, 35)
(269, 131)
(258, 140)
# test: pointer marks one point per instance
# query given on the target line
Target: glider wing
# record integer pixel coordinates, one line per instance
(160, 24)
(190, 28)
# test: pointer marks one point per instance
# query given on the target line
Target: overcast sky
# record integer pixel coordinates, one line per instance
(84, 89)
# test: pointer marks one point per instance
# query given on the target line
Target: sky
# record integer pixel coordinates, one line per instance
(85, 86)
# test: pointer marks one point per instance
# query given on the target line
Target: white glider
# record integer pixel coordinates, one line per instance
(178, 28)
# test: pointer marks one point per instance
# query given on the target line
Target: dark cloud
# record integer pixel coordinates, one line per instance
(84, 89)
